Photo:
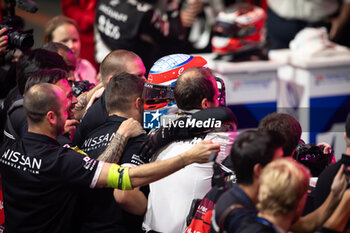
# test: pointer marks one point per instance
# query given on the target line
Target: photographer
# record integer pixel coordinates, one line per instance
(326, 177)
(13, 41)
(7, 69)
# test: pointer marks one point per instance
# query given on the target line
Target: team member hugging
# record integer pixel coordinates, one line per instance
(41, 179)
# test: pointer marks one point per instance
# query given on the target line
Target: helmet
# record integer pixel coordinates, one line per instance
(238, 28)
(158, 93)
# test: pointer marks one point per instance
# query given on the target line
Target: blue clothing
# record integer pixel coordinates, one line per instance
(235, 195)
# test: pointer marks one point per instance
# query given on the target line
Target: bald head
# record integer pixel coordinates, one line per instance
(40, 99)
(193, 86)
(119, 61)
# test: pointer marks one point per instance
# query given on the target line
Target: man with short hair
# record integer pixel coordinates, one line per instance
(114, 63)
(286, 125)
(251, 151)
(124, 211)
(170, 199)
(281, 202)
(196, 88)
(40, 178)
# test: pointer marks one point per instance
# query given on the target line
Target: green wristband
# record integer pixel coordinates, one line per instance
(118, 178)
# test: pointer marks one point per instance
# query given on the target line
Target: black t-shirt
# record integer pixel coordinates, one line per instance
(98, 140)
(324, 181)
(101, 212)
(40, 181)
(95, 116)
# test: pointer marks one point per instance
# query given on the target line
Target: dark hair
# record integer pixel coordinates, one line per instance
(39, 100)
(115, 63)
(285, 125)
(45, 76)
(35, 60)
(193, 86)
(55, 47)
(122, 90)
(250, 148)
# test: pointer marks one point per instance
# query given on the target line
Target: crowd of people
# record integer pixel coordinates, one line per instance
(75, 156)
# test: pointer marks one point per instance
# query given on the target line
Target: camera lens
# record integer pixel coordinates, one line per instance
(23, 41)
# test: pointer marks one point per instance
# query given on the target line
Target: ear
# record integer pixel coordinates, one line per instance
(109, 78)
(205, 103)
(51, 117)
(257, 170)
(345, 136)
(139, 103)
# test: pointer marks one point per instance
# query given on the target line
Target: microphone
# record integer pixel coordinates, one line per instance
(27, 5)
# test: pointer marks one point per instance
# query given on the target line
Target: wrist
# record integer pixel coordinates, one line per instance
(124, 133)
(335, 195)
(183, 161)
(185, 158)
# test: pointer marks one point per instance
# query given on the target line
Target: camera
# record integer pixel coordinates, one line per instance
(17, 38)
(312, 157)
(80, 87)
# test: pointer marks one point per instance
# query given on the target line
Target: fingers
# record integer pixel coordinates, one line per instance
(71, 125)
(2, 31)
(211, 145)
(327, 149)
(73, 122)
(340, 176)
(201, 151)
(3, 41)
(95, 96)
(340, 182)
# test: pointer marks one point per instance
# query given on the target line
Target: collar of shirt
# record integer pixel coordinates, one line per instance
(246, 201)
(41, 138)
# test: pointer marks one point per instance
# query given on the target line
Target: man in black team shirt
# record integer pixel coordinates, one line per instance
(116, 62)
(104, 213)
(40, 178)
